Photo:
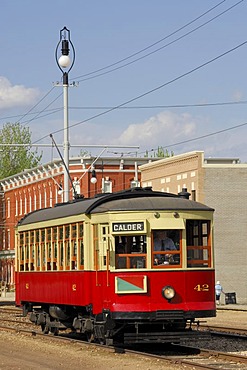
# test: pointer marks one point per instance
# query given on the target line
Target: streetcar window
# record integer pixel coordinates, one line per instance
(26, 252)
(42, 250)
(81, 246)
(32, 250)
(48, 247)
(73, 247)
(21, 251)
(60, 248)
(67, 247)
(37, 250)
(96, 247)
(198, 242)
(166, 248)
(130, 251)
(52, 248)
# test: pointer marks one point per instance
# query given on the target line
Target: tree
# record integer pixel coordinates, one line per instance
(13, 159)
(160, 153)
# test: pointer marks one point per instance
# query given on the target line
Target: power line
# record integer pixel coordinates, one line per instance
(140, 51)
(157, 106)
(202, 136)
(152, 90)
(163, 85)
(49, 111)
(153, 44)
(37, 104)
(194, 105)
(162, 47)
(37, 115)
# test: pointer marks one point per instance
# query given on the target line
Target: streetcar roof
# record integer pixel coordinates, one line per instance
(136, 199)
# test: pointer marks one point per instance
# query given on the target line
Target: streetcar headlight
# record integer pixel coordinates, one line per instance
(168, 292)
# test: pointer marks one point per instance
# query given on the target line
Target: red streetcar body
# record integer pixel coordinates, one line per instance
(80, 289)
(94, 266)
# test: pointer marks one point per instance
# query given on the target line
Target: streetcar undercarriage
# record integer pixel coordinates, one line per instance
(104, 328)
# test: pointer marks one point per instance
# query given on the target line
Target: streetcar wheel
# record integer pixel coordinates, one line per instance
(54, 331)
(89, 336)
(45, 329)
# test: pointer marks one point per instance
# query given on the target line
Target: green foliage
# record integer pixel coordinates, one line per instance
(85, 153)
(13, 159)
(160, 153)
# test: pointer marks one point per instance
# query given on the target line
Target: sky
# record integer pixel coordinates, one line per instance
(146, 74)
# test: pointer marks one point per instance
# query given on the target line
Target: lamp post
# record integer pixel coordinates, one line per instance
(65, 65)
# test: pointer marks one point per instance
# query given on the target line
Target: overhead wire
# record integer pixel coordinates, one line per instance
(37, 115)
(43, 97)
(148, 47)
(152, 90)
(194, 105)
(157, 106)
(201, 137)
(159, 87)
(153, 44)
(51, 111)
(156, 88)
(162, 47)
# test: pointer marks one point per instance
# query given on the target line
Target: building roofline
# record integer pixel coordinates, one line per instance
(174, 158)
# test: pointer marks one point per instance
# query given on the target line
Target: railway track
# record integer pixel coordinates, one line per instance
(210, 359)
(187, 356)
(224, 330)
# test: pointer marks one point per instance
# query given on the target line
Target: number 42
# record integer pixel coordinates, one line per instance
(202, 288)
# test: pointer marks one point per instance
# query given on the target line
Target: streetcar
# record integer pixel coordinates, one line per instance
(91, 266)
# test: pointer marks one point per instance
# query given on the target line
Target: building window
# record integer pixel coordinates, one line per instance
(4, 210)
(4, 242)
(40, 200)
(20, 205)
(135, 184)
(50, 198)
(8, 208)
(8, 239)
(76, 184)
(106, 186)
(193, 195)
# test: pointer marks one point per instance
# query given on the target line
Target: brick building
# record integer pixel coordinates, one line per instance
(220, 183)
(42, 187)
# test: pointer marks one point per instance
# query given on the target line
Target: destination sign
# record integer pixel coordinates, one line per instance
(127, 226)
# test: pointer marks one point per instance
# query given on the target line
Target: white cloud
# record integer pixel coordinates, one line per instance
(163, 129)
(16, 95)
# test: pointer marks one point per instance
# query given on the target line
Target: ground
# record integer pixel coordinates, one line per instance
(19, 352)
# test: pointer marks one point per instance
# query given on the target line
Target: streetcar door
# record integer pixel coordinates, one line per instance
(102, 259)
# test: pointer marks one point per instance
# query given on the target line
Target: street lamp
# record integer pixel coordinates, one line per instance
(93, 178)
(65, 65)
